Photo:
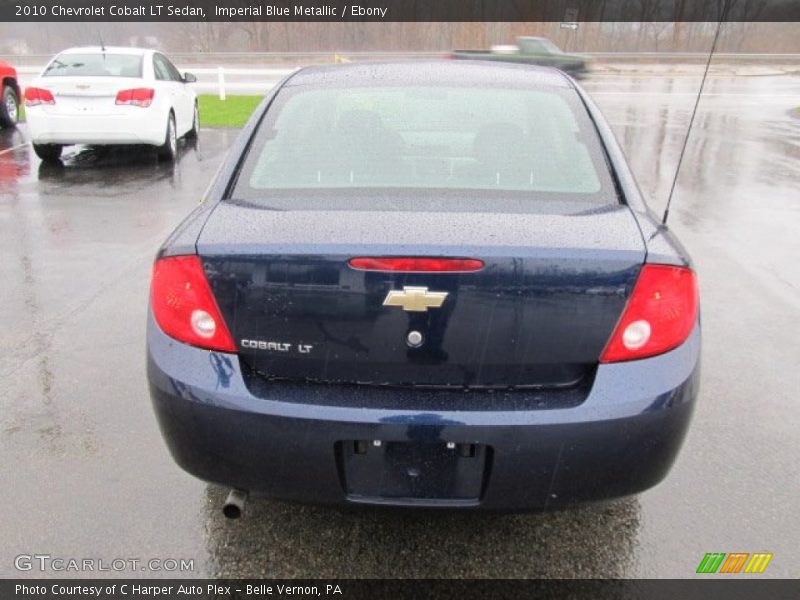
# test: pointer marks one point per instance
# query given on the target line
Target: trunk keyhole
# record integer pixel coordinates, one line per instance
(414, 339)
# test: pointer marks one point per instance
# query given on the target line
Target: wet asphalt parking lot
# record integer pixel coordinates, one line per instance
(85, 473)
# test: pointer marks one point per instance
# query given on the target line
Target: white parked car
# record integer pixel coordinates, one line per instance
(110, 95)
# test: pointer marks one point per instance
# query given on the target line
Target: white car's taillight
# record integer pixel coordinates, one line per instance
(35, 96)
(142, 97)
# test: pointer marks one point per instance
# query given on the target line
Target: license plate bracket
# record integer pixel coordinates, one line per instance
(413, 472)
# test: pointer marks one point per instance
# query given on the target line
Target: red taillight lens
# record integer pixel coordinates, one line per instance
(35, 96)
(142, 97)
(659, 316)
(416, 265)
(184, 306)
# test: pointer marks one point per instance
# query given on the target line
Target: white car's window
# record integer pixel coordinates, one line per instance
(160, 69)
(165, 70)
(175, 75)
(95, 65)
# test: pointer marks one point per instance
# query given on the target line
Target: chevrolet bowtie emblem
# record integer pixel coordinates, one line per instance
(414, 299)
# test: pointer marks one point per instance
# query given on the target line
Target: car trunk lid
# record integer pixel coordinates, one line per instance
(538, 313)
(86, 95)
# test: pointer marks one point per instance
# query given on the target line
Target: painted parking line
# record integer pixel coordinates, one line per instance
(7, 150)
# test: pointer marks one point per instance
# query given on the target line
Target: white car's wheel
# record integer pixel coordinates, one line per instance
(195, 130)
(48, 152)
(169, 149)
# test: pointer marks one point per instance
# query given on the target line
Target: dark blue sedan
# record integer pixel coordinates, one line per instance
(425, 284)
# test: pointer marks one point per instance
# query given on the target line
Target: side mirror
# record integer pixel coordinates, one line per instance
(189, 78)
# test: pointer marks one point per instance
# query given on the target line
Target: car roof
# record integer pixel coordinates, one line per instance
(107, 50)
(476, 73)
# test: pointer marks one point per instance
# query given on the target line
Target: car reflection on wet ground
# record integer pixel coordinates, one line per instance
(86, 472)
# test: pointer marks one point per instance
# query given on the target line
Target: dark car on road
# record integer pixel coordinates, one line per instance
(428, 284)
(9, 95)
(530, 50)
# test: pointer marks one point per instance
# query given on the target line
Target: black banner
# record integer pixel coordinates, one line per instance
(399, 10)
(730, 588)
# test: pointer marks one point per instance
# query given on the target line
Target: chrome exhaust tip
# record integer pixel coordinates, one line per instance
(234, 504)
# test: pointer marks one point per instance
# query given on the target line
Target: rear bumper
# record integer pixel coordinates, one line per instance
(621, 440)
(142, 127)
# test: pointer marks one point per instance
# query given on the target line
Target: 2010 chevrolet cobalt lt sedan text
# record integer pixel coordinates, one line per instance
(425, 284)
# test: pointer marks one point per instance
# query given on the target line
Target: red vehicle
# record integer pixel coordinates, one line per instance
(9, 101)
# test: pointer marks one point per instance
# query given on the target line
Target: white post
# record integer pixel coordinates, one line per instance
(221, 82)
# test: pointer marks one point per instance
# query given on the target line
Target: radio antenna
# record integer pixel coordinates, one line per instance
(722, 16)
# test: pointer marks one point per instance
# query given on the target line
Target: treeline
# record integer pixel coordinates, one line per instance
(47, 38)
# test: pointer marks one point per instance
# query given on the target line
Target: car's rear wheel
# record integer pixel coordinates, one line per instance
(48, 152)
(9, 107)
(194, 131)
(169, 149)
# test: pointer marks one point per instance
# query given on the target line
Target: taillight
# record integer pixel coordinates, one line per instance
(184, 306)
(35, 96)
(416, 264)
(659, 316)
(142, 97)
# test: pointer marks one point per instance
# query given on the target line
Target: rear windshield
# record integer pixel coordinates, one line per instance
(495, 143)
(95, 65)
